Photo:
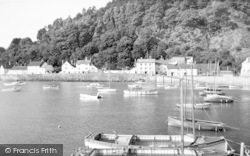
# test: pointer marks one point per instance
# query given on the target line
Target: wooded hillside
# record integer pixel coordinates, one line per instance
(114, 36)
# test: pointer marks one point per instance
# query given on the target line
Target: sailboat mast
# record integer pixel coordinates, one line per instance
(192, 92)
(182, 116)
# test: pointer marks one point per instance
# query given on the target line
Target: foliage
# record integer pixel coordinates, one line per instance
(124, 30)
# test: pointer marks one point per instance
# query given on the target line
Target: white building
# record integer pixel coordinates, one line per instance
(144, 66)
(2, 70)
(18, 70)
(85, 66)
(68, 68)
(34, 67)
(245, 67)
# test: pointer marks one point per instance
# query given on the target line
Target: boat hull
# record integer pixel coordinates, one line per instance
(218, 99)
(197, 106)
(202, 125)
(112, 141)
(140, 92)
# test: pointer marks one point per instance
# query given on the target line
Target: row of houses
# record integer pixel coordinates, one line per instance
(175, 66)
(40, 67)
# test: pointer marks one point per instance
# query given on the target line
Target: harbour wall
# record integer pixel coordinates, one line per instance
(124, 77)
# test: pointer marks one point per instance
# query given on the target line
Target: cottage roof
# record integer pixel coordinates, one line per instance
(146, 60)
(171, 66)
(186, 66)
(86, 62)
(19, 68)
(35, 63)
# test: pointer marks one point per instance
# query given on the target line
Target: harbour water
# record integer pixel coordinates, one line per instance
(37, 116)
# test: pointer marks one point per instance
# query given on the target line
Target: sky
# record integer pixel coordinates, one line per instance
(24, 18)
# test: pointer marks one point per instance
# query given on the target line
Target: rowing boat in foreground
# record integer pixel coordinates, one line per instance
(196, 106)
(205, 125)
(146, 152)
(111, 141)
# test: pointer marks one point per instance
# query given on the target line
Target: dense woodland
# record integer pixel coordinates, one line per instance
(114, 36)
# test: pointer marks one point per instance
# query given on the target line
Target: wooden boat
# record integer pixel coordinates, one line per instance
(171, 86)
(199, 124)
(196, 106)
(134, 86)
(14, 89)
(50, 87)
(17, 83)
(107, 89)
(146, 152)
(90, 97)
(218, 98)
(140, 92)
(211, 91)
(200, 86)
(114, 141)
(96, 85)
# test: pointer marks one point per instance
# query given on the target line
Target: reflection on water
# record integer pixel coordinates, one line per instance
(34, 115)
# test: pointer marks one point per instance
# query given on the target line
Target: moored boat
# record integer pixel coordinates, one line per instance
(107, 89)
(50, 87)
(211, 91)
(140, 92)
(111, 141)
(14, 89)
(204, 125)
(90, 97)
(171, 86)
(17, 83)
(196, 106)
(97, 85)
(218, 98)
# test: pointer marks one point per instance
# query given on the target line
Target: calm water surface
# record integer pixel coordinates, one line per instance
(33, 115)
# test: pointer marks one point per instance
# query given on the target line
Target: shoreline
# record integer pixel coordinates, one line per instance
(124, 77)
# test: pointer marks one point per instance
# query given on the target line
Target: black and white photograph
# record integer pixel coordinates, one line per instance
(125, 77)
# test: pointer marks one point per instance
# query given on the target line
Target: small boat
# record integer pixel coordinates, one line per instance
(200, 86)
(134, 86)
(211, 91)
(107, 89)
(202, 125)
(152, 151)
(218, 98)
(112, 141)
(196, 106)
(96, 85)
(172, 86)
(17, 83)
(50, 87)
(140, 92)
(14, 89)
(90, 97)
(141, 81)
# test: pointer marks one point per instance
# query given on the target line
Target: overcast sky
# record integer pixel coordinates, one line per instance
(23, 18)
